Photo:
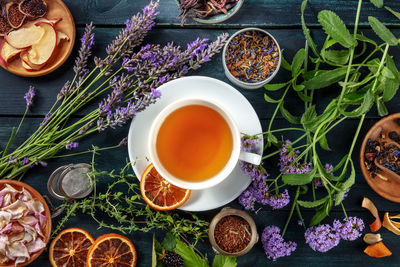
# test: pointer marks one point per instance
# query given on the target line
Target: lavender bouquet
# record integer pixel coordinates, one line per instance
(126, 80)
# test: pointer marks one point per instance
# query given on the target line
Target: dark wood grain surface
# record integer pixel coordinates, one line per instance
(282, 19)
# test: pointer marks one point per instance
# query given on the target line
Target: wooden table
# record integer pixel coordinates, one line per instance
(280, 18)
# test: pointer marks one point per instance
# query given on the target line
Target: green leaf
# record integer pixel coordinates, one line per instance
(321, 213)
(377, 3)
(382, 31)
(309, 115)
(298, 87)
(337, 56)
(390, 89)
(387, 73)
(306, 31)
(312, 204)
(303, 97)
(313, 125)
(362, 38)
(298, 61)
(288, 116)
(272, 138)
(397, 14)
(392, 67)
(190, 258)
(380, 105)
(334, 27)
(346, 185)
(365, 106)
(169, 241)
(299, 179)
(326, 78)
(224, 261)
(270, 100)
(323, 142)
(285, 64)
(274, 86)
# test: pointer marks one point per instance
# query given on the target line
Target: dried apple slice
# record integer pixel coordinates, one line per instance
(61, 36)
(33, 8)
(7, 52)
(42, 51)
(26, 36)
(53, 21)
(27, 64)
(14, 16)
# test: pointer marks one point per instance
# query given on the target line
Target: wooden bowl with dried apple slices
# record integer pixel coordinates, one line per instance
(41, 45)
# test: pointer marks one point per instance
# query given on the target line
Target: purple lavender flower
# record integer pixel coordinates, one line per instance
(29, 97)
(278, 201)
(25, 161)
(131, 36)
(351, 229)
(156, 93)
(46, 118)
(274, 245)
(71, 145)
(322, 238)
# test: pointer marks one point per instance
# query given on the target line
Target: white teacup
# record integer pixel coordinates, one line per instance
(236, 155)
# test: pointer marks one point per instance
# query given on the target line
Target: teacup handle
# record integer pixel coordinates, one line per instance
(250, 157)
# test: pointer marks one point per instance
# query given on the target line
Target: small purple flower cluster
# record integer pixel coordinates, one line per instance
(325, 237)
(287, 156)
(29, 97)
(71, 145)
(274, 245)
(350, 229)
(257, 192)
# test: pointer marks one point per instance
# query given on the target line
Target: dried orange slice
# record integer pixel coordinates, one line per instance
(112, 250)
(159, 193)
(70, 248)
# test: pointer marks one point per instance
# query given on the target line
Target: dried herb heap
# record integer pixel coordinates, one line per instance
(363, 79)
(204, 8)
(124, 83)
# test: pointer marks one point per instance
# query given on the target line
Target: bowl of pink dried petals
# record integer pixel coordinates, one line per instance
(208, 11)
(25, 223)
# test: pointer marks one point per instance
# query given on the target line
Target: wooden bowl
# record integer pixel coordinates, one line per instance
(46, 231)
(389, 189)
(220, 17)
(56, 9)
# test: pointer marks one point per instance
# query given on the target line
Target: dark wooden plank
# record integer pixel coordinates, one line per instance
(264, 13)
(13, 88)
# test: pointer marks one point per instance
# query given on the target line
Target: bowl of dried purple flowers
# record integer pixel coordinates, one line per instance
(208, 11)
(251, 58)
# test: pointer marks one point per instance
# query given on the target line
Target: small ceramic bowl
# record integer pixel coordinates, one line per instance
(229, 212)
(386, 183)
(240, 83)
(220, 17)
(46, 231)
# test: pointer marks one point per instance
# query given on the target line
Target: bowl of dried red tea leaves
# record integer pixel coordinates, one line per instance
(232, 232)
(208, 11)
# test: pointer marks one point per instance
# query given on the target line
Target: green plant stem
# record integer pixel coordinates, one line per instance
(291, 211)
(277, 108)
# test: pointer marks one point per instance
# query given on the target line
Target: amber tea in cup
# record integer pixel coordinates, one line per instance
(194, 143)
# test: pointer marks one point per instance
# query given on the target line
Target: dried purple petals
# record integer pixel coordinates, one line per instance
(204, 8)
(252, 56)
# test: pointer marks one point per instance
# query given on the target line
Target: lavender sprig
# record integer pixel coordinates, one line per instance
(131, 36)
(29, 97)
(80, 67)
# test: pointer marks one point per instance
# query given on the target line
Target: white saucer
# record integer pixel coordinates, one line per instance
(231, 100)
